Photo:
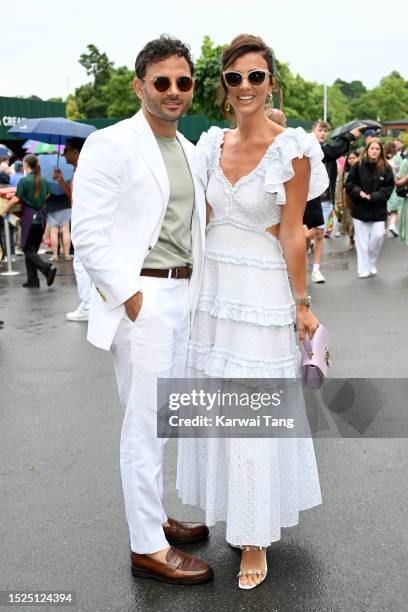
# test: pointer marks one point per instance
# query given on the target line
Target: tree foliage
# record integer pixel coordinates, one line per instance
(118, 91)
(110, 92)
(351, 90)
(97, 65)
(208, 90)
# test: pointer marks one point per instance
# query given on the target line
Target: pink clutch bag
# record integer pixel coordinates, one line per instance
(315, 358)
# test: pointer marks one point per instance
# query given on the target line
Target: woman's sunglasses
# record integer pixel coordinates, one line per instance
(233, 78)
(163, 83)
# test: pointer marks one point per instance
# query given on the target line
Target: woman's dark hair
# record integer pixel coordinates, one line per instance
(381, 164)
(241, 45)
(347, 164)
(160, 49)
(34, 165)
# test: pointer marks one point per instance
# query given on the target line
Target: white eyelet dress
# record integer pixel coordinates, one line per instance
(244, 328)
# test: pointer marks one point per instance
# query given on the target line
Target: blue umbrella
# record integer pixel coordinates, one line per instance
(48, 164)
(54, 130)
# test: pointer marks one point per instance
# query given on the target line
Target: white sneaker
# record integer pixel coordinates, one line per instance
(392, 228)
(363, 274)
(78, 315)
(373, 270)
(317, 277)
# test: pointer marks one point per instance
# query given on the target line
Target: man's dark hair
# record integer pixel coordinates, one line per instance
(160, 49)
(75, 143)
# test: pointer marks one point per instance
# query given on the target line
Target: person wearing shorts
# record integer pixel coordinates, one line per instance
(58, 221)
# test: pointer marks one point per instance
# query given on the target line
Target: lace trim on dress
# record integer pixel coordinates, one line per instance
(228, 221)
(249, 228)
(276, 164)
(206, 154)
(262, 264)
(225, 364)
(239, 311)
(279, 168)
(219, 139)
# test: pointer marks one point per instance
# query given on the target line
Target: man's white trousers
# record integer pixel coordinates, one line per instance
(154, 346)
(84, 284)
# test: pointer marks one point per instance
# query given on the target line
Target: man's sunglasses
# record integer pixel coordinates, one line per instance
(163, 83)
(233, 78)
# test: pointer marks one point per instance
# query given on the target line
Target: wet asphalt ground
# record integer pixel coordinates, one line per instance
(62, 522)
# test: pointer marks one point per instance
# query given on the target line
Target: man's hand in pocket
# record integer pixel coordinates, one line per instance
(133, 305)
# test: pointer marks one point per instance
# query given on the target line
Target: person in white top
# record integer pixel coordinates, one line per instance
(257, 179)
(138, 228)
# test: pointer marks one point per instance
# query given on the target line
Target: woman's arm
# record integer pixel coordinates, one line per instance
(400, 182)
(402, 174)
(292, 239)
(14, 200)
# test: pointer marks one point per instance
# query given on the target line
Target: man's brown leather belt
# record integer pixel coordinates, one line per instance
(182, 272)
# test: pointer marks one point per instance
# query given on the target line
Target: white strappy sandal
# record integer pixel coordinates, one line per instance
(251, 572)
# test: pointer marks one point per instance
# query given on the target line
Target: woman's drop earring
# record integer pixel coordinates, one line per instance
(228, 106)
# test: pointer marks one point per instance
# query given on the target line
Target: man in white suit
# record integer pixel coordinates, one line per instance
(138, 227)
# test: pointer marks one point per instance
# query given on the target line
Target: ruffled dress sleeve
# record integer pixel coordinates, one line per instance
(293, 143)
(206, 154)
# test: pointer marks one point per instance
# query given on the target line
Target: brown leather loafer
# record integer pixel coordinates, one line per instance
(179, 569)
(185, 533)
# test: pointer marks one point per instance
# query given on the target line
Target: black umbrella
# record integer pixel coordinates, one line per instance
(363, 124)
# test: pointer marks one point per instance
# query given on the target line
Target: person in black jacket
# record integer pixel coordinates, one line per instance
(369, 185)
(318, 210)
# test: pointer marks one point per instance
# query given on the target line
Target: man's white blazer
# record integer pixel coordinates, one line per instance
(120, 195)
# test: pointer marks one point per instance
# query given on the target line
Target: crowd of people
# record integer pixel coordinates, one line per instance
(363, 201)
(45, 220)
(365, 204)
(175, 297)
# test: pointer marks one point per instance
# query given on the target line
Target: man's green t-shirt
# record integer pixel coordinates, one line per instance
(173, 247)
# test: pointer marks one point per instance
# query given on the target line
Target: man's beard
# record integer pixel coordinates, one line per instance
(155, 108)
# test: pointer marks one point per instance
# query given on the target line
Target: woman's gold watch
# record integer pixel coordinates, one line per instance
(304, 301)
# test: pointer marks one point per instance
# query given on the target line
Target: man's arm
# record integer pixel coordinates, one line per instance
(339, 146)
(96, 196)
(58, 176)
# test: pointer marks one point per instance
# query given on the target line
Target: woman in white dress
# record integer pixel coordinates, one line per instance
(257, 176)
